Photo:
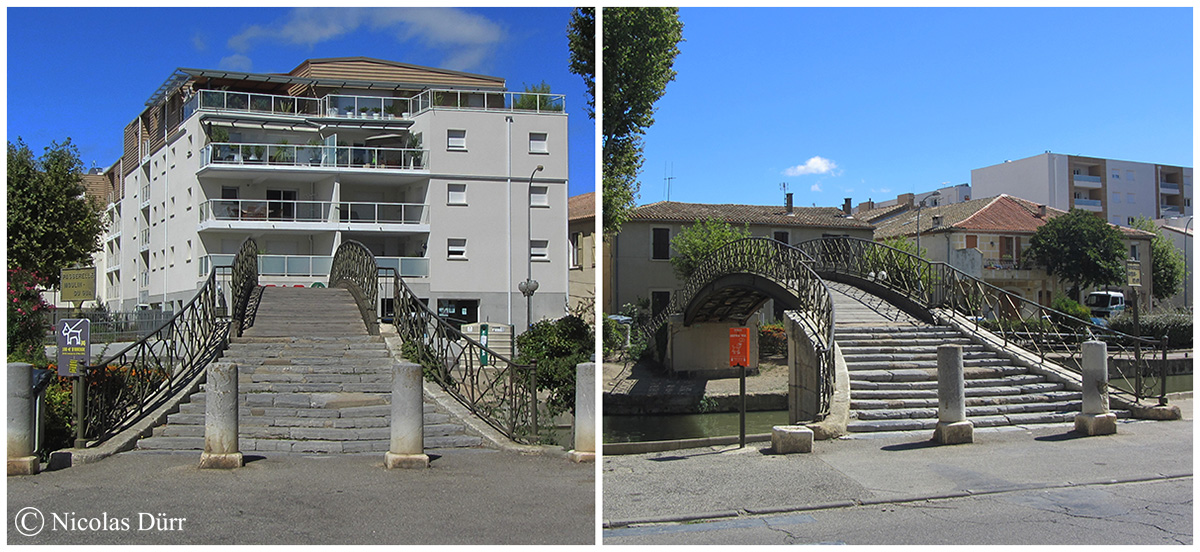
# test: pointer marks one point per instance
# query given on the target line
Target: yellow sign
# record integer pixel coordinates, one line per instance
(1133, 271)
(78, 284)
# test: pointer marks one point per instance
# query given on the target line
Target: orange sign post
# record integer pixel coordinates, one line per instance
(739, 355)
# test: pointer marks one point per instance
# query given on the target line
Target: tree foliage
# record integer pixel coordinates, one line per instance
(1166, 263)
(535, 99)
(557, 346)
(695, 242)
(52, 223)
(640, 46)
(1080, 248)
(581, 41)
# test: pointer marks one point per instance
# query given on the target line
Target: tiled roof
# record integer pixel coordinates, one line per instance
(581, 207)
(873, 216)
(774, 215)
(1002, 214)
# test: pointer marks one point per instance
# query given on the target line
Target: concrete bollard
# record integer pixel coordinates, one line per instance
(787, 439)
(1095, 418)
(585, 413)
(952, 427)
(407, 448)
(221, 418)
(21, 460)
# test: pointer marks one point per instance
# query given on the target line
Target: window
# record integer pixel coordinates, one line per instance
(1129, 199)
(782, 236)
(1129, 221)
(229, 192)
(573, 251)
(456, 139)
(659, 301)
(539, 196)
(537, 143)
(1116, 197)
(539, 250)
(660, 244)
(456, 248)
(1133, 252)
(1129, 176)
(456, 194)
(189, 199)
(1116, 175)
(189, 252)
(972, 242)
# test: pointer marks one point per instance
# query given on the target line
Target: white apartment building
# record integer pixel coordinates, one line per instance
(445, 176)
(1118, 191)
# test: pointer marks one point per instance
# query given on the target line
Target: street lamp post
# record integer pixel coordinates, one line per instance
(919, 207)
(529, 285)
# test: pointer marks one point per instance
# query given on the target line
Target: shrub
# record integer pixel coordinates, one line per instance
(1066, 305)
(1177, 327)
(557, 346)
(27, 311)
(613, 336)
(772, 339)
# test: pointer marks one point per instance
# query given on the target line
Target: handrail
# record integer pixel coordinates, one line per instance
(989, 311)
(245, 279)
(354, 268)
(784, 265)
(498, 390)
(124, 388)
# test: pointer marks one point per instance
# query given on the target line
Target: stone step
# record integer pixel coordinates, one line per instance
(306, 446)
(289, 377)
(892, 403)
(375, 411)
(968, 364)
(1017, 379)
(1021, 418)
(972, 411)
(316, 387)
(913, 355)
(302, 340)
(927, 392)
(336, 400)
(884, 341)
(930, 374)
(307, 433)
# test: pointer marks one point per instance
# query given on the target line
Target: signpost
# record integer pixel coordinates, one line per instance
(483, 340)
(739, 355)
(74, 338)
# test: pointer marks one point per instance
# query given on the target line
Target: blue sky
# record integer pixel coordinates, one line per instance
(86, 73)
(871, 103)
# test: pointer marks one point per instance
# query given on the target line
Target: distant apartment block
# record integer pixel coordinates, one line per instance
(448, 178)
(1117, 191)
(941, 196)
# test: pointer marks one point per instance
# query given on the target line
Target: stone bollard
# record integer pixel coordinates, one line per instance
(221, 418)
(953, 427)
(1095, 418)
(407, 449)
(585, 413)
(21, 460)
(787, 439)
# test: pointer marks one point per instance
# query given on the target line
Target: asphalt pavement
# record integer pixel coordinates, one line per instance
(849, 489)
(468, 496)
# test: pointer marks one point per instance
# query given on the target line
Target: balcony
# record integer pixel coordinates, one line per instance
(310, 215)
(511, 102)
(1089, 204)
(228, 154)
(1169, 211)
(1168, 188)
(351, 107)
(144, 199)
(144, 240)
(315, 266)
(1087, 181)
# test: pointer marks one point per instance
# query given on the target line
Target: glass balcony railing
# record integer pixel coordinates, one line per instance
(489, 101)
(265, 210)
(1087, 178)
(383, 213)
(1168, 187)
(315, 266)
(267, 104)
(1170, 210)
(1081, 202)
(287, 155)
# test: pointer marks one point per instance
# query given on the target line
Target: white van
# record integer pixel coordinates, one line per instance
(1104, 304)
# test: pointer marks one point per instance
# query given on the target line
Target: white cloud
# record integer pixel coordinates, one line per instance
(236, 62)
(199, 42)
(815, 165)
(467, 38)
(815, 187)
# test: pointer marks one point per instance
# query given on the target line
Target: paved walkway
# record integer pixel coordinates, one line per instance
(467, 496)
(716, 483)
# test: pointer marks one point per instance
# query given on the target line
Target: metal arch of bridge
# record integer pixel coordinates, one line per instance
(743, 274)
(936, 290)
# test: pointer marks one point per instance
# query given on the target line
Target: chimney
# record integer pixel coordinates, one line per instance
(906, 199)
(787, 202)
(846, 207)
(937, 221)
(1041, 211)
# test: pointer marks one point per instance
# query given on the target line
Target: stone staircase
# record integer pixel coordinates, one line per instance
(310, 380)
(893, 382)
(891, 358)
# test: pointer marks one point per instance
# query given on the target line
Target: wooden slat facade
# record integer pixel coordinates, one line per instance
(369, 70)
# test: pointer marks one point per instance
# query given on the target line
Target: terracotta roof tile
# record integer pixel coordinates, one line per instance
(581, 207)
(1002, 214)
(819, 217)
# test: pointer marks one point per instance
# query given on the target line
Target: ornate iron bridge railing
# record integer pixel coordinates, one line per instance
(244, 283)
(498, 390)
(787, 267)
(1139, 363)
(354, 268)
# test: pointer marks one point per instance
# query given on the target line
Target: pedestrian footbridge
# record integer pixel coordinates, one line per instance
(864, 321)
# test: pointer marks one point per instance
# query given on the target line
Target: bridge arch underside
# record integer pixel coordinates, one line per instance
(896, 298)
(736, 297)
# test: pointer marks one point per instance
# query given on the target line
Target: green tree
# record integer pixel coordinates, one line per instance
(536, 99)
(695, 242)
(640, 45)
(1080, 248)
(581, 41)
(1166, 262)
(52, 223)
(557, 346)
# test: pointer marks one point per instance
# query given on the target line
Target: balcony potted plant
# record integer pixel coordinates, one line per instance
(364, 111)
(314, 151)
(284, 154)
(260, 103)
(256, 153)
(375, 113)
(286, 105)
(413, 154)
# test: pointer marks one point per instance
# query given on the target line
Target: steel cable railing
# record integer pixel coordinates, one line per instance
(993, 313)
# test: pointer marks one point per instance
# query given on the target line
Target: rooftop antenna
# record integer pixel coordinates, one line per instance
(668, 179)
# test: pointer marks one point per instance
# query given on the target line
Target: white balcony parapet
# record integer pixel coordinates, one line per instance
(1081, 202)
(288, 155)
(1087, 181)
(333, 105)
(511, 102)
(383, 213)
(264, 210)
(1170, 188)
(315, 266)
